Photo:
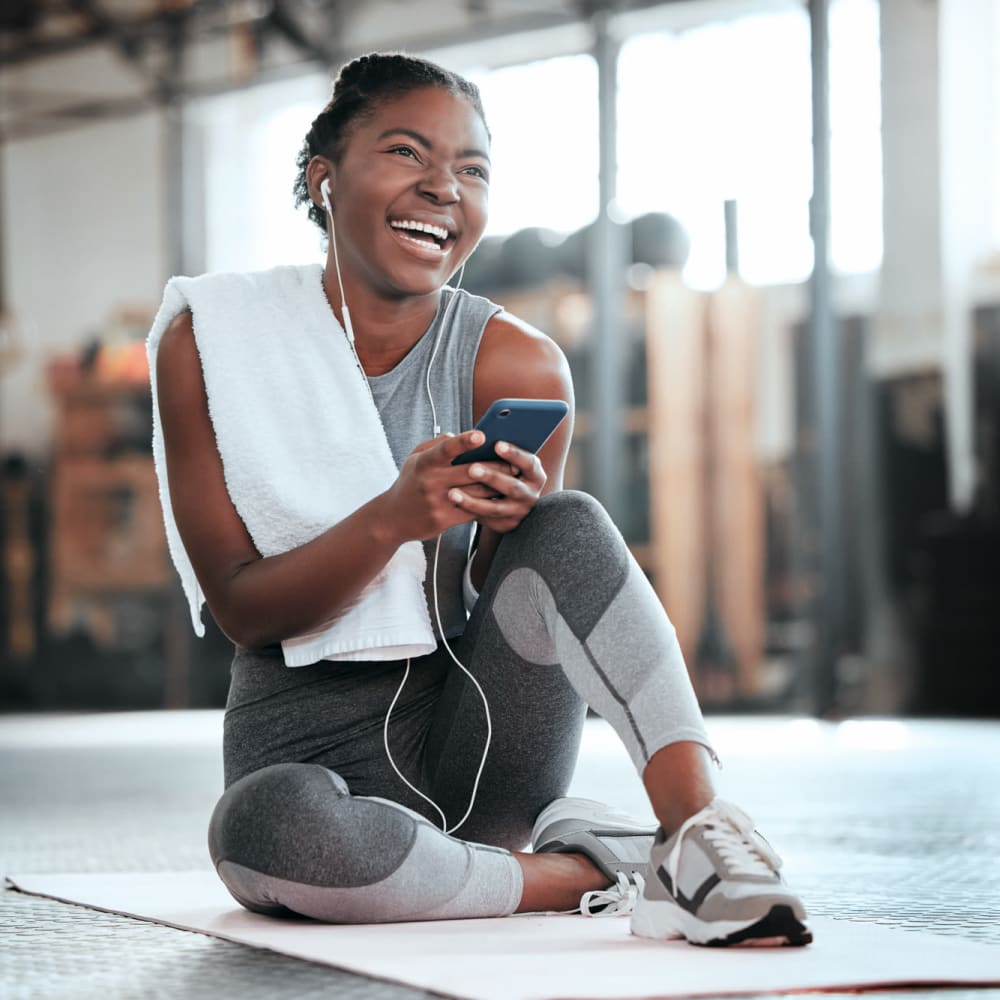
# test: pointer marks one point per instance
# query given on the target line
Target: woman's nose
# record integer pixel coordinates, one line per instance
(440, 184)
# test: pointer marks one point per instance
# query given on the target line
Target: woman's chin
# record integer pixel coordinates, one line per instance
(412, 282)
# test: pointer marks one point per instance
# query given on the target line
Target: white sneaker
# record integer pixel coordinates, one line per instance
(618, 844)
(716, 882)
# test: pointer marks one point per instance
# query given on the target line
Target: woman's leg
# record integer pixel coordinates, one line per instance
(290, 838)
(564, 596)
(566, 619)
(288, 835)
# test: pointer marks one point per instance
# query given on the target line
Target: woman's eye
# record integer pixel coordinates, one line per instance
(403, 151)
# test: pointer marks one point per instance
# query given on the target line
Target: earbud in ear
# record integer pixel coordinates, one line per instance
(324, 190)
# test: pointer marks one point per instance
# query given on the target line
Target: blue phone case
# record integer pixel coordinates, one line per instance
(526, 423)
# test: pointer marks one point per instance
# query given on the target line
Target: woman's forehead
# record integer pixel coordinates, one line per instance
(434, 113)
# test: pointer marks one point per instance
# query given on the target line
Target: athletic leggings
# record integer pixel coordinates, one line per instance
(314, 820)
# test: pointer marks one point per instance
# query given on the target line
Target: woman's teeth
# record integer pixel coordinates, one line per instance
(438, 234)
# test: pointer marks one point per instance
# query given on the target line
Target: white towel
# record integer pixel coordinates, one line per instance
(301, 442)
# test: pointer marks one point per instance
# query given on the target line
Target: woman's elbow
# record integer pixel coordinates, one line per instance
(242, 630)
(244, 624)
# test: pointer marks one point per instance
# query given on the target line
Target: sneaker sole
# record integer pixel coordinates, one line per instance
(664, 920)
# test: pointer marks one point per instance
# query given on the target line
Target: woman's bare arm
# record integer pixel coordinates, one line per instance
(515, 360)
(257, 601)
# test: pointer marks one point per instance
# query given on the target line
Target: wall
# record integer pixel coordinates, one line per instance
(83, 232)
(941, 118)
(969, 207)
(67, 262)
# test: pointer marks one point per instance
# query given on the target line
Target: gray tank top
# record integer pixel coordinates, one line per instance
(401, 399)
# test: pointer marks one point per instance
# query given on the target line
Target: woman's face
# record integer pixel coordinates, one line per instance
(410, 192)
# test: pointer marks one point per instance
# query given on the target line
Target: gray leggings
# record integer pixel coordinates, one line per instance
(314, 820)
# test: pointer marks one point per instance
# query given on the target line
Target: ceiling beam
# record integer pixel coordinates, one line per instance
(127, 44)
(284, 23)
(179, 29)
(136, 30)
(155, 26)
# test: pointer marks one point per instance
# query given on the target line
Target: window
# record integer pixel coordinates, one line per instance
(705, 115)
(543, 117)
(724, 112)
(251, 139)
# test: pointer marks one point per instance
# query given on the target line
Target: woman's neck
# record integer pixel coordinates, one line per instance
(385, 329)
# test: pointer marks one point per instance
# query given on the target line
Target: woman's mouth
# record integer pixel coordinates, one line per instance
(425, 239)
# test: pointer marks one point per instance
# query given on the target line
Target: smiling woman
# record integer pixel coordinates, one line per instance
(312, 501)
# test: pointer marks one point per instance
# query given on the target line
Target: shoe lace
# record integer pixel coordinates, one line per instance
(731, 832)
(617, 900)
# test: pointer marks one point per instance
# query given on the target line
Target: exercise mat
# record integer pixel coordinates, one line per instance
(538, 957)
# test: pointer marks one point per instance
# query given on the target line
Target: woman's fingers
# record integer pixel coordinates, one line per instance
(450, 447)
(499, 514)
(516, 482)
(525, 463)
(488, 507)
(436, 494)
(519, 476)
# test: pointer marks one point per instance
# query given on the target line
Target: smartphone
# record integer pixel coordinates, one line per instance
(525, 423)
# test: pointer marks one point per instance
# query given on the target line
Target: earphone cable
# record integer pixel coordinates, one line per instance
(437, 341)
(486, 709)
(476, 685)
(348, 329)
(345, 312)
(392, 763)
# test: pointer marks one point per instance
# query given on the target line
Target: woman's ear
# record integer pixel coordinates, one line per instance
(319, 176)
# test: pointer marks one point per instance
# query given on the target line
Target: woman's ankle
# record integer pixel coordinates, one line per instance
(678, 781)
(557, 881)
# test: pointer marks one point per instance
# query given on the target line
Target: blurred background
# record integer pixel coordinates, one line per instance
(766, 234)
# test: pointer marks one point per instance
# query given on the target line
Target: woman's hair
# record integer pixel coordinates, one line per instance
(359, 89)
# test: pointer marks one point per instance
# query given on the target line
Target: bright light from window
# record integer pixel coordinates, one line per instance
(855, 136)
(251, 141)
(714, 113)
(543, 117)
(732, 122)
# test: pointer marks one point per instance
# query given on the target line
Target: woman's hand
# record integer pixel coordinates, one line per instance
(419, 504)
(505, 491)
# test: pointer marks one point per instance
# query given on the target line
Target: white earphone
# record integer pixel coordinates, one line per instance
(324, 190)
(437, 617)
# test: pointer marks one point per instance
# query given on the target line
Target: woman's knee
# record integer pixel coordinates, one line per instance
(299, 823)
(569, 528)
(291, 838)
(573, 506)
(570, 519)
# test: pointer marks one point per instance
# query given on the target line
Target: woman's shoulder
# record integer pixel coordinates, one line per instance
(177, 349)
(234, 302)
(515, 353)
(284, 276)
(506, 332)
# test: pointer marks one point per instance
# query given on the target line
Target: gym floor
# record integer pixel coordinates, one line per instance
(891, 821)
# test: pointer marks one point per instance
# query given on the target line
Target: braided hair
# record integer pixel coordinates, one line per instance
(357, 92)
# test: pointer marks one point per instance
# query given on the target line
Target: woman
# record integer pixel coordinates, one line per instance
(297, 492)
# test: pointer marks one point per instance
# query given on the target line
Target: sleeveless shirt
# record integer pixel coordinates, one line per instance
(401, 397)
